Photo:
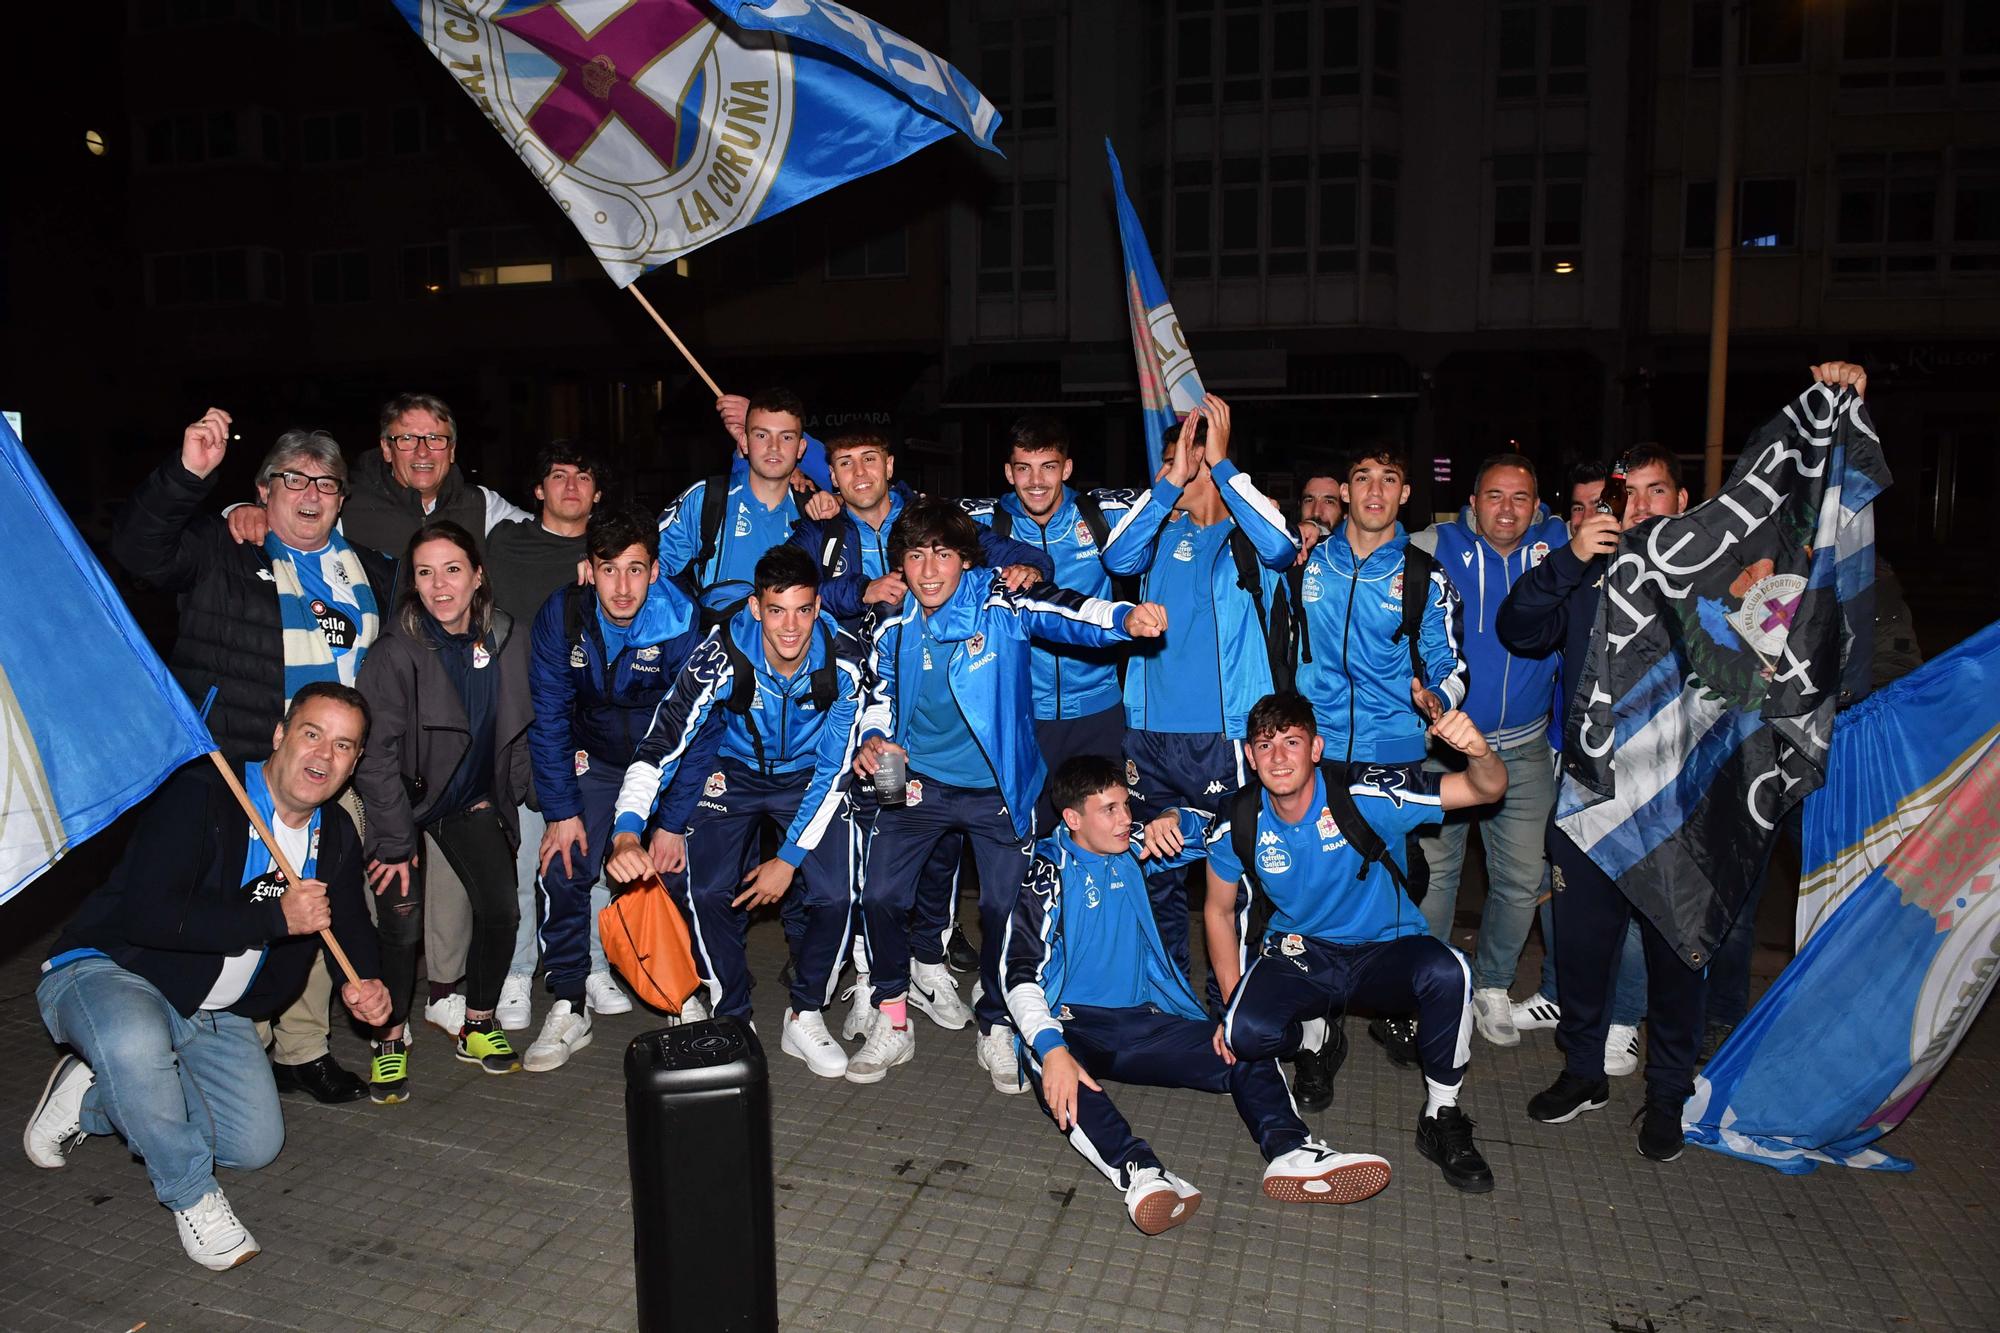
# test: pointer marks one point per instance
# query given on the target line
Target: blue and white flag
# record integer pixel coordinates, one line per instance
(1723, 638)
(1169, 385)
(662, 125)
(90, 721)
(1902, 859)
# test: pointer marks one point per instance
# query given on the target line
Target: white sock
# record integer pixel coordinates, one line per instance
(1312, 1035)
(1438, 1095)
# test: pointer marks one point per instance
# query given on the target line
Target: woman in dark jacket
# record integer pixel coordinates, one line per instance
(447, 755)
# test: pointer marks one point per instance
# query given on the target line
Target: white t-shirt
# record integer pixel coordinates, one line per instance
(239, 968)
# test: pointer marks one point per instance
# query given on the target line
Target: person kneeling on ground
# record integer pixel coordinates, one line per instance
(158, 981)
(1093, 993)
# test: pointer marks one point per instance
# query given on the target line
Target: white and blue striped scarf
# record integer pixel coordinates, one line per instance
(340, 591)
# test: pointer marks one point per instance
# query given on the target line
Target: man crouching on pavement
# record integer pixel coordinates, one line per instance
(158, 980)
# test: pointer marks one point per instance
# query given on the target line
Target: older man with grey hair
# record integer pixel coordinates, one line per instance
(258, 622)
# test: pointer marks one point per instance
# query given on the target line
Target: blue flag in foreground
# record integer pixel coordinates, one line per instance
(90, 721)
(1169, 386)
(1902, 849)
(662, 125)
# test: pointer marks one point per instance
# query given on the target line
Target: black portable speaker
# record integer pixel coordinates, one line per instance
(698, 1129)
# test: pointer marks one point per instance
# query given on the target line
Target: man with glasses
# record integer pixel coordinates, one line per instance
(414, 481)
(259, 622)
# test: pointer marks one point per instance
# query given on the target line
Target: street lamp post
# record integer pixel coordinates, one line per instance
(1725, 250)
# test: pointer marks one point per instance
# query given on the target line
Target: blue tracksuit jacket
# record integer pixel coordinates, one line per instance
(1509, 696)
(1358, 680)
(796, 737)
(1070, 681)
(1246, 666)
(1069, 910)
(988, 670)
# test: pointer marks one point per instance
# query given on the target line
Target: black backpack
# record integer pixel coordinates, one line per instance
(1124, 587)
(825, 684)
(1247, 805)
(1418, 566)
(1274, 624)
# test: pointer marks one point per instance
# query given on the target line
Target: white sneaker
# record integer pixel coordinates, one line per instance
(564, 1033)
(995, 1053)
(516, 1009)
(860, 1014)
(885, 1048)
(934, 991)
(806, 1037)
(694, 1009)
(212, 1236)
(1493, 1013)
(1621, 1050)
(603, 994)
(1315, 1173)
(56, 1124)
(446, 1015)
(1159, 1200)
(1536, 1012)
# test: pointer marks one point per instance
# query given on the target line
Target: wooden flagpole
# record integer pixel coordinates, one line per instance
(291, 874)
(674, 338)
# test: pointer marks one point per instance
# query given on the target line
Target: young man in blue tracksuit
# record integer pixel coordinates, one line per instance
(1198, 536)
(1078, 709)
(1328, 859)
(859, 586)
(1503, 533)
(950, 679)
(1093, 995)
(602, 658)
(757, 514)
(786, 683)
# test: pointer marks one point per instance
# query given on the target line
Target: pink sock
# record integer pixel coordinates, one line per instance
(898, 1013)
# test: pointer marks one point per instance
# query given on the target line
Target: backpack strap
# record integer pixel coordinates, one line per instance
(1244, 809)
(1274, 624)
(1354, 826)
(825, 676)
(714, 499)
(1003, 520)
(1418, 566)
(1124, 587)
(1295, 584)
(574, 612)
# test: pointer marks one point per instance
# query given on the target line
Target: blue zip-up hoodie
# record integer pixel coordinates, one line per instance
(748, 530)
(593, 701)
(1070, 681)
(796, 736)
(1509, 697)
(1358, 680)
(1067, 910)
(988, 671)
(851, 556)
(1246, 664)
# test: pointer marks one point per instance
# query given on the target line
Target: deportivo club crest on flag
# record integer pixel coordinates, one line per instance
(662, 125)
(1169, 385)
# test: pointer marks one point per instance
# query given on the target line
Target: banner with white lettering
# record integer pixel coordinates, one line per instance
(1706, 703)
(662, 125)
(1169, 385)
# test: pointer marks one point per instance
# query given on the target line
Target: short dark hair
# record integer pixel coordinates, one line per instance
(1280, 712)
(328, 689)
(1585, 472)
(1036, 433)
(416, 402)
(1172, 434)
(934, 521)
(1083, 776)
(1491, 461)
(856, 439)
(570, 453)
(776, 399)
(1639, 455)
(612, 531)
(1383, 452)
(784, 566)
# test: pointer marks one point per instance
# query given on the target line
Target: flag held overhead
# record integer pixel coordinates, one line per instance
(1169, 385)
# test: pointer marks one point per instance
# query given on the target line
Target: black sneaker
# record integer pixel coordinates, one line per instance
(1398, 1038)
(959, 954)
(1660, 1136)
(1446, 1138)
(1712, 1038)
(1568, 1097)
(1313, 1071)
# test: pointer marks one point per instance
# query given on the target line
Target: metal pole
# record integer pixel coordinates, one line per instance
(1725, 251)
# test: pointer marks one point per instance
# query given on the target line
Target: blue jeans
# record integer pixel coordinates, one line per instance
(1628, 983)
(1513, 832)
(527, 879)
(187, 1094)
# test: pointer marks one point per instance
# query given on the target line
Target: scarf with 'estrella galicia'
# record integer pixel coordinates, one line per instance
(327, 611)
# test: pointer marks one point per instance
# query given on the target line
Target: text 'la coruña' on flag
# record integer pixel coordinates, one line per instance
(1169, 384)
(1707, 700)
(662, 125)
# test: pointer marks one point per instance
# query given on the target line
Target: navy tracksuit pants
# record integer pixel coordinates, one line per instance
(934, 910)
(1295, 977)
(723, 847)
(1170, 770)
(1591, 912)
(901, 845)
(1161, 1050)
(564, 929)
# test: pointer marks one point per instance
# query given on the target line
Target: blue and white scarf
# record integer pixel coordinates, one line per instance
(326, 609)
(261, 880)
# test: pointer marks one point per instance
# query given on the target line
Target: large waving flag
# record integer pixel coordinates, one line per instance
(1706, 703)
(90, 721)
(1169, 385)
(662, 125)
(1902, 854)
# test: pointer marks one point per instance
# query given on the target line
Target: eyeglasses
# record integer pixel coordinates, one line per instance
(298, 481)
(405, 443)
